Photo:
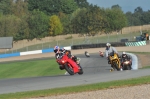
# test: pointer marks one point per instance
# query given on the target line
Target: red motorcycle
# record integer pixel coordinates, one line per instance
(101, 53)
(69, 65)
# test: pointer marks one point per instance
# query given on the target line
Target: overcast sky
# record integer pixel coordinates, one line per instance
(126, 5)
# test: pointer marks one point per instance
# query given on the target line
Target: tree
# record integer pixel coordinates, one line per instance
(73, 17)
(130, 19)
(68, 6)
(138, 10)
(95, 21)
(116, 7)
(138, 14)
(116, 19)
(23, 31)
(9, 25)
(38, 24)
(82, 3)
(20, 8)
(6, 6)
(56, 27)
(88, 20)
(78, 20)
(145, 19)
(53, 7)
(66, 23)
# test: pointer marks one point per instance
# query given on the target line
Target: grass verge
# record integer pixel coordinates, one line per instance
(77, 89)
(147, 53)
(146, 67)
(32, 68)
(143, 53)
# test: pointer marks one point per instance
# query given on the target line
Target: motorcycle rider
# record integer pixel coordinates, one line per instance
(58, 51)
(125, 56)
(74, 58)
(109, 51)
(87, 54)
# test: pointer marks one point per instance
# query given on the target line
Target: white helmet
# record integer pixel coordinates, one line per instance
(123, 52)
(108, 44)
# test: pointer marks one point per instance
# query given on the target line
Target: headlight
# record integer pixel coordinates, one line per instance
(126, 62)
(63, 61)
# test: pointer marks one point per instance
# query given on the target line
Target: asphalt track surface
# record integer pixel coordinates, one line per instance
(95, 70)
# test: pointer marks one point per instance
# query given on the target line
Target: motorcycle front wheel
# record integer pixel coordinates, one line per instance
(80, 71)
(69, 69)
(129, 67)
(117, 66)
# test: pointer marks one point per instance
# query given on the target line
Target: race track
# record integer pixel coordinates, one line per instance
(95, 69)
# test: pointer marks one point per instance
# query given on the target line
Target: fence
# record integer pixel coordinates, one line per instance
(63, 40)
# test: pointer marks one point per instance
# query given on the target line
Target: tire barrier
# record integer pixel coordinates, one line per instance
(140, 43)
(124, 40)
(99, 45)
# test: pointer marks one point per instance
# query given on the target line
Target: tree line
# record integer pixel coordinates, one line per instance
(29, 19)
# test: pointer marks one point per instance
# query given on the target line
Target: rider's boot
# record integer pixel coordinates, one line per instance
(109, 61)
(78, 60)
(121, 68)
(60, 66)
(111, 69)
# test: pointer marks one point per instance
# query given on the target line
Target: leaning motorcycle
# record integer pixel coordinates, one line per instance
(69, 65)
(87, 54)
(115, 62)
(126, 64)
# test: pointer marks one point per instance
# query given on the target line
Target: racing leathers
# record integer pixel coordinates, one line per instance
(110, 52)
(74, 58)
(125, 57)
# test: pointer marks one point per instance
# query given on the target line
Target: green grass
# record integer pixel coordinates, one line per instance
(145, 67)
(147, 53)
(77, 89)
(30, 68)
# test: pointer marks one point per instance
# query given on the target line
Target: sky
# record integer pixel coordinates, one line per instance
(126, 5)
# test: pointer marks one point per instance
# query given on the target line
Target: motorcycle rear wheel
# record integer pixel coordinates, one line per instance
(69, 69)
